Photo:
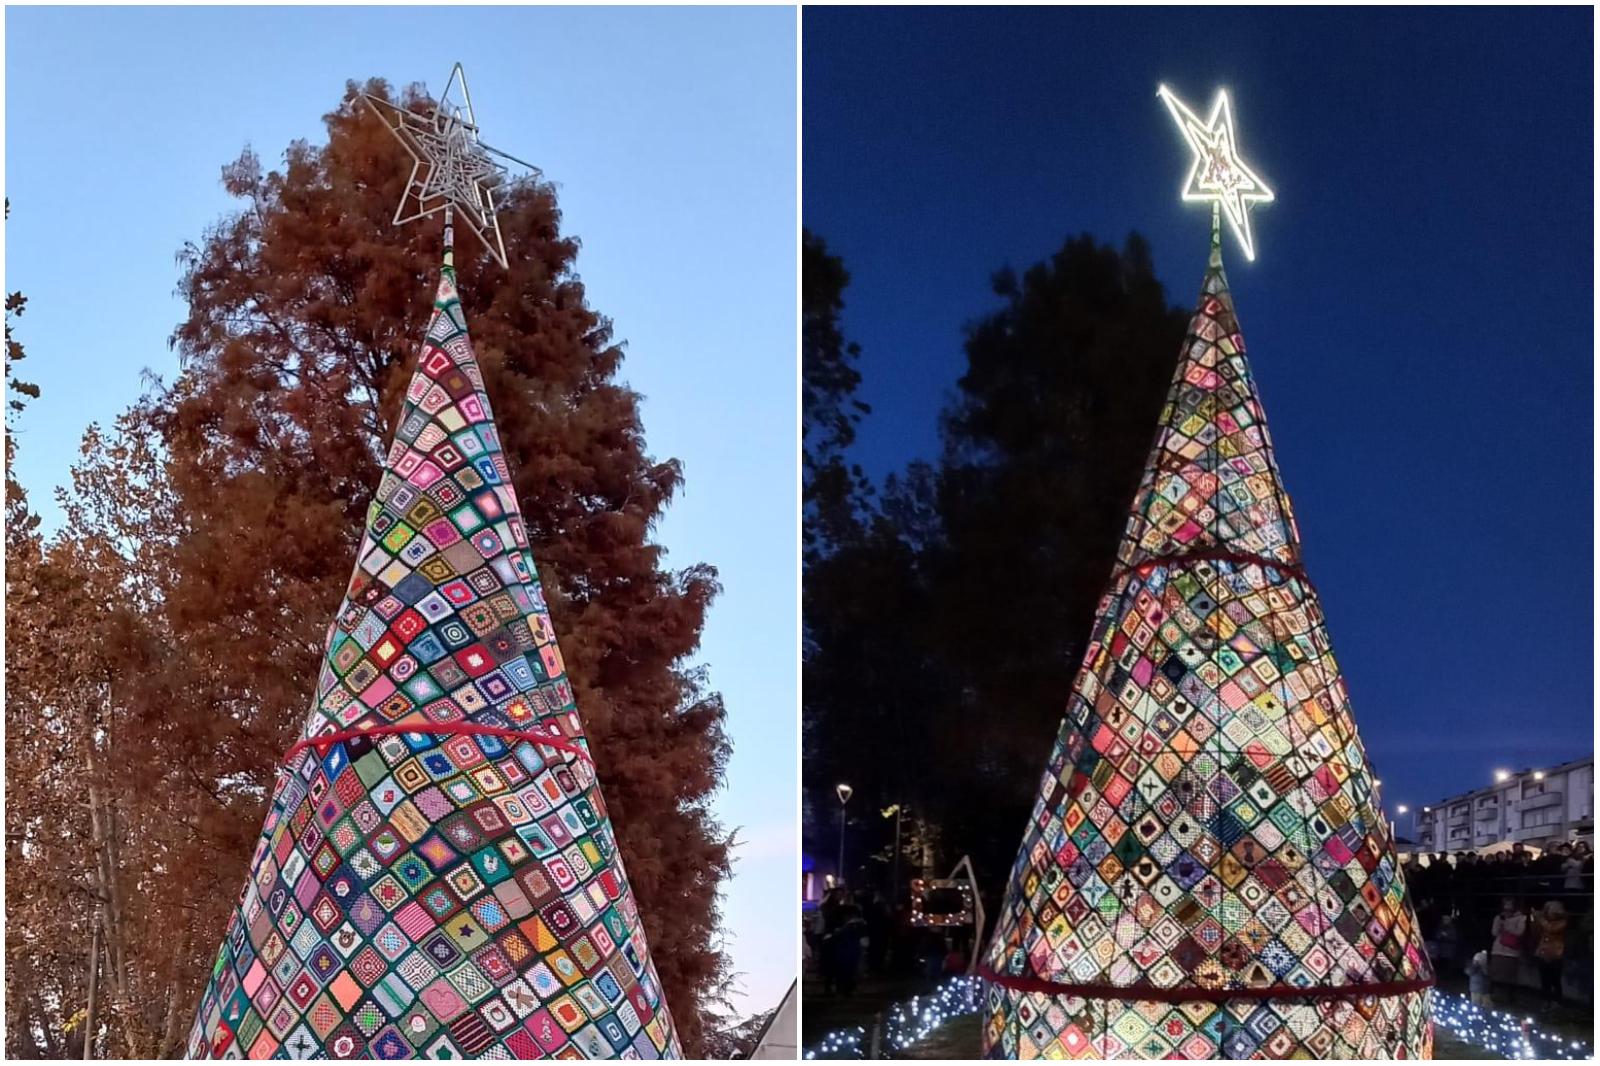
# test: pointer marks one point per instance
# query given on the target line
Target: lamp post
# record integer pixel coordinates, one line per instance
(895, 810)
(844, 792)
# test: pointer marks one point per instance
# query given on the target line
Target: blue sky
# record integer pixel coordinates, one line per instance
(670, 135)
(1420, 317)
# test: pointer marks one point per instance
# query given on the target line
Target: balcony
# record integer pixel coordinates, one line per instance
(1536, 832)
(1542, 800)
(1485, 813)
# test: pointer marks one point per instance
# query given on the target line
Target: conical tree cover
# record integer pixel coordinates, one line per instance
(1207, 872)
(430, 882)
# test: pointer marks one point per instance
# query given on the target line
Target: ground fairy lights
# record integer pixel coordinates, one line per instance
(1503, 1034)
(905, 1024)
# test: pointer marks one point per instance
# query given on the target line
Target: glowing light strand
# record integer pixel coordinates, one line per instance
(1503, 1034)
(906, 1023)
(1218, 175)
(914, 1020)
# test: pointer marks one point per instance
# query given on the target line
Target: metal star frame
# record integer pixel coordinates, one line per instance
(1218, 176)
(451, 167)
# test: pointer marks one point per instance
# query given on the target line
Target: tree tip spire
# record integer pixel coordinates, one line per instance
(1216, 237)
(449, 241)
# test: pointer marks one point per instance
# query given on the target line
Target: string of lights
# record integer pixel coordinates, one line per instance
(919, 1016)
(905, 1024)
(1502, 1034)
(839, 1044)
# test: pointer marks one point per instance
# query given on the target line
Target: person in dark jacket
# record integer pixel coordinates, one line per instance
(843, 949)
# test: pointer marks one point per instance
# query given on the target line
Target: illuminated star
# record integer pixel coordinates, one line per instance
(451, 167)
(1218, 176)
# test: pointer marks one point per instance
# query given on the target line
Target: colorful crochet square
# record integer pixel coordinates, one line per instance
(1034, 1025)
(438, 893)
(1207, 872)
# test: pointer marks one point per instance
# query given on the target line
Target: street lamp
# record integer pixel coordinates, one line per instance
(1538, 775)
(844, 792)
(894, 811)
(1502, 775)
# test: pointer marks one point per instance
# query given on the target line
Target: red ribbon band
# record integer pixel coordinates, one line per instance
(1215, 555)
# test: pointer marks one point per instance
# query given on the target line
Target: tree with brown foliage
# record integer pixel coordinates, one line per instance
(67, 968)
(43, 967)
(21, 523)
(232, 500)
(105, 832)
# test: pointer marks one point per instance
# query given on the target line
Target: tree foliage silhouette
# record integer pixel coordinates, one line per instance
(944, 639)
(830, 408)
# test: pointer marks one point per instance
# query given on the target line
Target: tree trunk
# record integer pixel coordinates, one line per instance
(105, 892)
(169, 1031)
(90, 1020)
(118, 947)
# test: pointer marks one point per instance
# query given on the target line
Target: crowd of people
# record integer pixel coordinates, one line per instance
(851, 934)
(1499, 920)
(1504, 918)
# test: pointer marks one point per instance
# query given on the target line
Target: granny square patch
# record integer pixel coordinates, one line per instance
(428, 861)
(1208, 806)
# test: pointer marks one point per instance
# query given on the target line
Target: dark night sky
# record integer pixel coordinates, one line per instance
(1419, 317)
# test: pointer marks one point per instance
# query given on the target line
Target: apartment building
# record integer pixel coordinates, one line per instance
(1534, 807)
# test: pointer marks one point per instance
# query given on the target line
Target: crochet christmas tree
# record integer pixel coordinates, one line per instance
(437, 876)
(1207, 872)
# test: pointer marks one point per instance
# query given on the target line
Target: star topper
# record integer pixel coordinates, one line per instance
(451, 167)
(1218, 176)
